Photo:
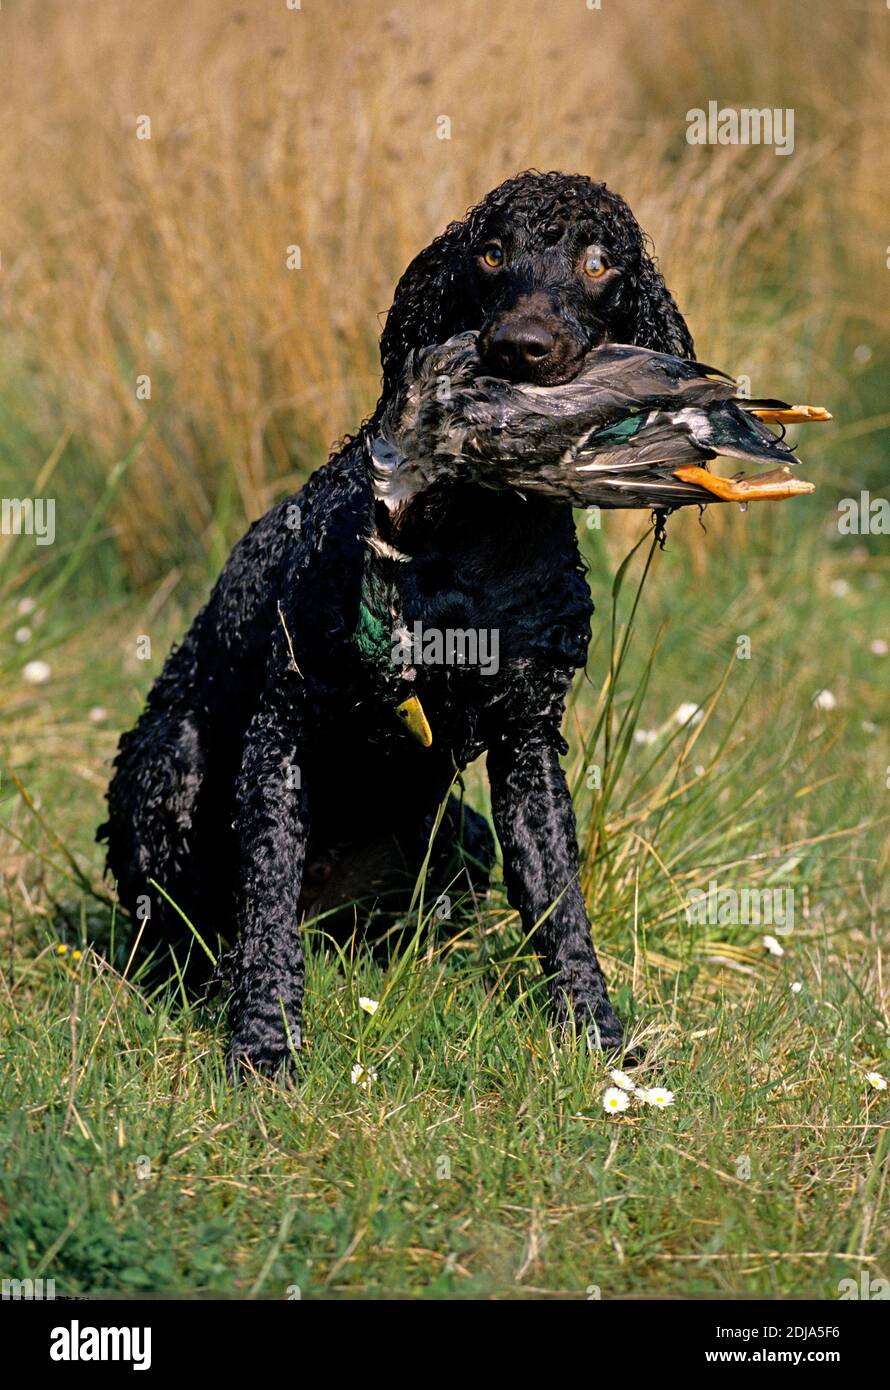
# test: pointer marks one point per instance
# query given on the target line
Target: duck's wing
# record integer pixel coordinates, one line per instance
(615, 435)
(658, 457)
(449, 412)
(665, 437)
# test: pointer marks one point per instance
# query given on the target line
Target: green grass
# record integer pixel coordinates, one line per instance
(479, 1161)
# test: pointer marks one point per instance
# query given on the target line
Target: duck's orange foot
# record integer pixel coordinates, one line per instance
(791, 414)
(765, 487)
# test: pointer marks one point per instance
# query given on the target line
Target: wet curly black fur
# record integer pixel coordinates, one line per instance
(269, 776)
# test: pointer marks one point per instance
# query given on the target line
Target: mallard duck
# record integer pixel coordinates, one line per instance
(633, 428)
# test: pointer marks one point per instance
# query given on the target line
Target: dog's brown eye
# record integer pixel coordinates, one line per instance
(493, 255)
(595, 263)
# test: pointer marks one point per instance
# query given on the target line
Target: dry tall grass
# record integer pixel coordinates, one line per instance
(272, 127)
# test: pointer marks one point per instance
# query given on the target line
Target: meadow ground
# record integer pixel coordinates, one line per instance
(478, 1160)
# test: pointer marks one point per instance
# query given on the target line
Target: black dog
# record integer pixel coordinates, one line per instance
(270, 774)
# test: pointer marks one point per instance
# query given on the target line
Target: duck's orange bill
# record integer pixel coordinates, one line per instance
(766, 487)
(792, 414)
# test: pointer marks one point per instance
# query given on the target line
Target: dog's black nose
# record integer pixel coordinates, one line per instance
(518, 346)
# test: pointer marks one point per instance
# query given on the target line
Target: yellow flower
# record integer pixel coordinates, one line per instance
(77, 955)
(61, 949)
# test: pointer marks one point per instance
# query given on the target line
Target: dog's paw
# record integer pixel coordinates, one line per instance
(602, 1029)
(254, 1053)
(605, 1033)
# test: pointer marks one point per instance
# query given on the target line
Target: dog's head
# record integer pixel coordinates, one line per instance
(547, 267)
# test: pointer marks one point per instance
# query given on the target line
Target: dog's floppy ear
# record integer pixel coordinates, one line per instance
(430, 303)
(651, 318)
(657, 322)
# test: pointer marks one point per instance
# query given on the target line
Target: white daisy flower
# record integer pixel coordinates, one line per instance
(622, 1080)
(688, 713)
(824, 699)
(645, 736)
(370, 1006)
(98, 714)
(36, 673)
(840, 588)
(874, 1078)
(615, 1100)
(23, 634)
(25, 606)
(657, 1095)
(362, 1076)
(879, 647)
(796, 987)
(773, 946)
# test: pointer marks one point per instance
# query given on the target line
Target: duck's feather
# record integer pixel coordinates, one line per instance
(610, 437)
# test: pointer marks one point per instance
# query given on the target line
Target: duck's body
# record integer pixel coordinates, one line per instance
(633, 428)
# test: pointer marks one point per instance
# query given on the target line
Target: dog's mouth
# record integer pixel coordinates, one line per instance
(559, 374)
(531, 350)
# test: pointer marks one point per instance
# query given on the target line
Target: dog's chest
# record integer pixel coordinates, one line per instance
(452, 643)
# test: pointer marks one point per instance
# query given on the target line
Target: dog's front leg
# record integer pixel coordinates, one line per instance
(535, 823)
(272, 823)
